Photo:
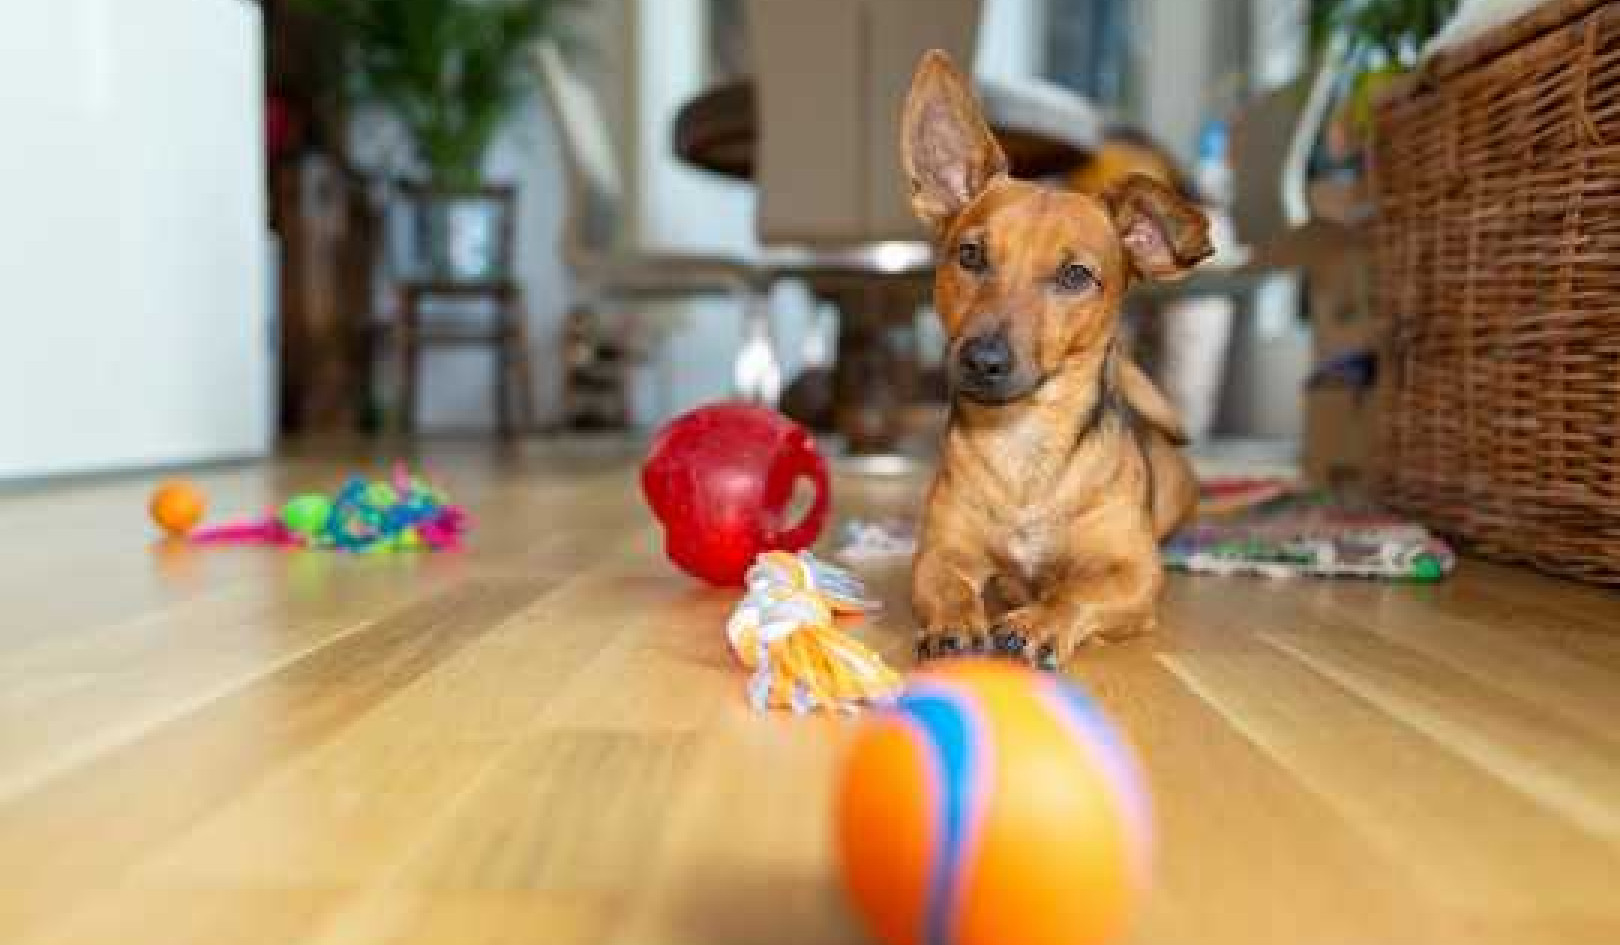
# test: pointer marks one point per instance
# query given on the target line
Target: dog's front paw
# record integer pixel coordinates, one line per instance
(1025, 635)
(1039, 652)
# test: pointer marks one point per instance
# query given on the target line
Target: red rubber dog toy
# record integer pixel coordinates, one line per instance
(720, 479)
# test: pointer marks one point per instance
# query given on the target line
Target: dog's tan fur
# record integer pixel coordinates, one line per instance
(1054, 489)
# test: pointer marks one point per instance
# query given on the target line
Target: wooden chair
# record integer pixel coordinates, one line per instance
(500, 325)
(608, 271)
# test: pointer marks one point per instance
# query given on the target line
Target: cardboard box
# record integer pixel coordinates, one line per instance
(1340, 419)
(1340, 305)
(1339, 431)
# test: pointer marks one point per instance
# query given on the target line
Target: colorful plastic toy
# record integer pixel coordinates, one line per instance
(177, 506)
(992, 805)
(785, 630)
(400, 514)
(721, 478)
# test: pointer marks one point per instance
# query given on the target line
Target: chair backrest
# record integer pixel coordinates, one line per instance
(1261, 133)
(831, 78)
(596, 188)
(1271, 146)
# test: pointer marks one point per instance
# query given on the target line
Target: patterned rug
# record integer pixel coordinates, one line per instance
(1246, 527)
(1264, 527)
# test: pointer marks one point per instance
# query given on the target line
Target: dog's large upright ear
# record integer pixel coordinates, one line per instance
(950, 156)
(1164, 235)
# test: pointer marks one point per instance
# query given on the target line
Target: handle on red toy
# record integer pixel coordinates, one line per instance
(804, 534)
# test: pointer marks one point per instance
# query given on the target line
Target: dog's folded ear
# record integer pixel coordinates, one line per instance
(1164, 235)
(949, 154)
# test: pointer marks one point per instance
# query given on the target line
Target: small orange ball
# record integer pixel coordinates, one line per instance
(993, 805)
(177, 507)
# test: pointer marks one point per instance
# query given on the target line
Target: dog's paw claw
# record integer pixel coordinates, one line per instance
(939, 645)
(1008, 643)
(1046, 658)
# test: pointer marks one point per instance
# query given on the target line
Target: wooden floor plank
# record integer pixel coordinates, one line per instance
(203, 915)
(180, 773)
(428, 741)
(746, 852)
(1571, 618)
(1236, 829)
(70, 697)
(1532, 751)
(305, 824)
(1477, 847)
(543, 738)
(1524, 663)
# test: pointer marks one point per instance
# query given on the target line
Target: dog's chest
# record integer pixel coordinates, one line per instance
(1037, 497)
(1060, 525)
(1030, 544)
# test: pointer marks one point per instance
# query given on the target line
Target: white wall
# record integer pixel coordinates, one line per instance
(132, 235)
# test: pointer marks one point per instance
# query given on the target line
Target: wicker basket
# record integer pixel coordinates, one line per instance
(1497, 178)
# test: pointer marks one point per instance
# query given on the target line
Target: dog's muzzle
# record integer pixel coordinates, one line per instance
(986, 370)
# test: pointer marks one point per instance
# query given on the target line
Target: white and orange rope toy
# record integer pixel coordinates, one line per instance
(786, 630)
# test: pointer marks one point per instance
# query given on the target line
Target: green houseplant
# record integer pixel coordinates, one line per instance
(1381, 39)
(451, 73)
(1397, 29)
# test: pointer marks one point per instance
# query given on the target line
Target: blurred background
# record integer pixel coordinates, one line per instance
(231, 225)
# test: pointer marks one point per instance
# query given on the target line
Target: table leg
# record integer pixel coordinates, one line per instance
(522, 383)
(502, 388)
(875, 375)
(408, 345)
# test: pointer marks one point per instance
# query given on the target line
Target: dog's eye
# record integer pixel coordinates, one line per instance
(971, 256)
(1073, 277)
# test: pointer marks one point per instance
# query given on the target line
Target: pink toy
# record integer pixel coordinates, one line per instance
(720, 480)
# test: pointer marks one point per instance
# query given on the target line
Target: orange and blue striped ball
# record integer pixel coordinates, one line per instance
(993, 805)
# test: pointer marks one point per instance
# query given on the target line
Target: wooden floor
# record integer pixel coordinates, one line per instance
(543, 741)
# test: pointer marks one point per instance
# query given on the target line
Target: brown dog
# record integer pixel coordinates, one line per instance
(1060, 470)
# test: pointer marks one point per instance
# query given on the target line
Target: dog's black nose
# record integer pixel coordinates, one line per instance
(987, 358)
